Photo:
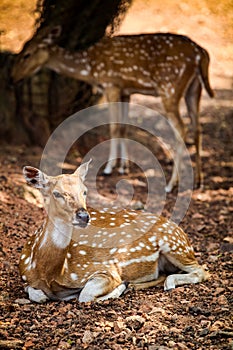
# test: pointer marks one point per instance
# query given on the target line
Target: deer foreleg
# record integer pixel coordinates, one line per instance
(112, 158)
(36, 295)
(113, 96)
(116, 293)
(124, 163)
(102, 286)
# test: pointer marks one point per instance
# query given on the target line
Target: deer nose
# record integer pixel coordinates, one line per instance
(82, 217)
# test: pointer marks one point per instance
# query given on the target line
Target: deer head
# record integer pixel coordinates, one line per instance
(64, 196)
(35, 53)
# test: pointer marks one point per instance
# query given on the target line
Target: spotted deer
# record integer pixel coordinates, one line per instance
(95, 254)
(163, 64)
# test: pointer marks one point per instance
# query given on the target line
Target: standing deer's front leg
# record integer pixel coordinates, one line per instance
(124, 163)
(113, 95)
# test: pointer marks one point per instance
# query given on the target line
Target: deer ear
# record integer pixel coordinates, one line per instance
(35, 177)
(56, 32)
(82, 170)
(53, 34)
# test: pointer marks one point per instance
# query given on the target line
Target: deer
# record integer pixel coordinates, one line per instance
(97, 254)
(167, 65)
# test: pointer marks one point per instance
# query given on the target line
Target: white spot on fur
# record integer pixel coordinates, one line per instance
(113, 250)
(141, 259)
(82, 252)
(161, 242)
(84, 72)
(74, 276)
(132, 250)
(152, 238)
(27, 261)
(83, 242)
(122, 250)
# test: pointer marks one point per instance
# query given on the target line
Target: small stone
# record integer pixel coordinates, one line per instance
(197, 216)
(135, 322)
(213, 258)
(219, 290)
(228, 239)
(222, 300)
(216, 326)
(118, 326)
(181, 346)
(204, 332)
(22, 301)
(171, 343)
(205, 323)
(87, 337)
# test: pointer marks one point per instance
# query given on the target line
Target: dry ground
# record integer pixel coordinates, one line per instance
(189, 317)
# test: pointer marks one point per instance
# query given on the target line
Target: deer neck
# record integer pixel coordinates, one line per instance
(52, 244)
(74, 65)
(57, 233)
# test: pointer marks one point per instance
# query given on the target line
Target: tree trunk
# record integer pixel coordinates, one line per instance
(31, 111)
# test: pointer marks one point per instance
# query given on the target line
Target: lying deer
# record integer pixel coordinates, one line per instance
(167, 65)
(94, 254)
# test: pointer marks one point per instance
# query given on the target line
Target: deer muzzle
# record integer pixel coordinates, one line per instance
(81, 218)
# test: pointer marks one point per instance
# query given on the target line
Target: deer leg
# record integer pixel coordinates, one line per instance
(192, 99)
(173, 115)
(102, 286)
(113, 95)
(195, 274)
(124, 164)
(36, 295)
(144, 285)
(116, 293)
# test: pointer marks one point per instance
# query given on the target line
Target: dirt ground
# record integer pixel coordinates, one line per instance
(190, 317)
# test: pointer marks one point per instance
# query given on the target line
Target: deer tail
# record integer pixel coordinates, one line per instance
(204, 71)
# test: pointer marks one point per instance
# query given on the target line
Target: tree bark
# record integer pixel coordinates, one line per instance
(32, 110)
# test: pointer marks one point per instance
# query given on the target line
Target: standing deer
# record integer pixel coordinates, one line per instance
(93, 254)
(167, 65)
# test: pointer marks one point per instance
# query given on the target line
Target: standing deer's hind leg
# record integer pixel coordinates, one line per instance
(192, 99)
(171, 107)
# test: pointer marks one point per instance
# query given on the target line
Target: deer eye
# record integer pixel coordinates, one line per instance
(33, 181)
(57, 194)
(26, 56)
(85, 193)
